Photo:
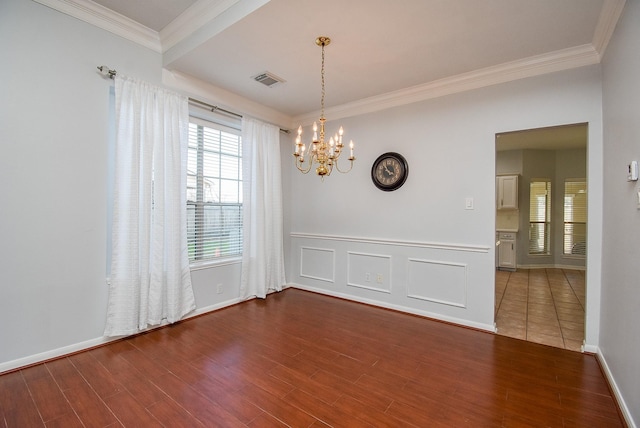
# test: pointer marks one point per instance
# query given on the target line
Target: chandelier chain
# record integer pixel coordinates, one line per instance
(322, 75)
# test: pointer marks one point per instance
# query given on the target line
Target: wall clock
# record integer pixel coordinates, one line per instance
(389, 171)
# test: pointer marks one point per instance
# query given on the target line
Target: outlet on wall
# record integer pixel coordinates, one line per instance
(379, 278)
(219, 289)
(367, 277)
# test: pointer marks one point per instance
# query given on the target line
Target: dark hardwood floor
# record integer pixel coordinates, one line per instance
(301, 359)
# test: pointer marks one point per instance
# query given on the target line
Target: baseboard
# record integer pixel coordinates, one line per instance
(211, 308)
(590, 349)
(462, 322)
(53, 354)
(626, 414)
(99, 341)
(553, 266)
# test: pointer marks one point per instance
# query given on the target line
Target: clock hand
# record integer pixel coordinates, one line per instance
(387, 170)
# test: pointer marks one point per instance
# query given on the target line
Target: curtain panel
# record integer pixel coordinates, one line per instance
(262, 251)
(150, 277)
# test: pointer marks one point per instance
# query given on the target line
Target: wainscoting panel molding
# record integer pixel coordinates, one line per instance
(437, 281)
(370, 271)
(452, 282)
(318, 263)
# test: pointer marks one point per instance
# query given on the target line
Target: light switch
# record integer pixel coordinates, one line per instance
(468, 204)
(632, 171)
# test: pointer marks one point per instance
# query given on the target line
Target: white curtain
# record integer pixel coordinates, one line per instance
(150, 277)
(262, 251)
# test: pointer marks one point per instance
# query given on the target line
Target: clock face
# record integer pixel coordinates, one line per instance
(389, 171)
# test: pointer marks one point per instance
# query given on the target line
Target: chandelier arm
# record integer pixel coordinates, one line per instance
(304, 171)
(338, 167)
(300, 168)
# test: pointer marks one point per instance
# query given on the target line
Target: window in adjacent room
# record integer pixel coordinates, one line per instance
(214, 191)
(540, 217)
(575, 217)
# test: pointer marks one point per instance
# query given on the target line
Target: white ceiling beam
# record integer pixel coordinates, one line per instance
(215, 22)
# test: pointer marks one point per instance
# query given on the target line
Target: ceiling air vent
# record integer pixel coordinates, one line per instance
(268, 79)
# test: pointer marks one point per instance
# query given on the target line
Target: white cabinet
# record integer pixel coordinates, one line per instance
(507, 251)
(507, 192)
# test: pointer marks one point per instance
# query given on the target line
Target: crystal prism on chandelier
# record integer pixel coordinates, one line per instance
(323, 154)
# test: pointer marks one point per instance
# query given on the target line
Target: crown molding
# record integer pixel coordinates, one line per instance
(102, 17)
(204, 11)
(187, 23)
(611, 11)
(533, 66)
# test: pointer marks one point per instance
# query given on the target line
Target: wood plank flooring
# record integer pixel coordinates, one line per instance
(300, 359)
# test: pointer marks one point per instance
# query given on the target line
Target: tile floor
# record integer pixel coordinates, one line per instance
(542, 305)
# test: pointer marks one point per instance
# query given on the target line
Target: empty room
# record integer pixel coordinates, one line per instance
(305, 214)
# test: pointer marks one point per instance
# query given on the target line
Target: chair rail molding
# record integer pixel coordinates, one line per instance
(395, 242)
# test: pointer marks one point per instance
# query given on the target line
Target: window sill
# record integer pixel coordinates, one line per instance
(215, 263)
(574, 256)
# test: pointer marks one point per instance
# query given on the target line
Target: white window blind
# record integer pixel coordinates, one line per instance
(214, 191)
(575, 217)
(540, 217)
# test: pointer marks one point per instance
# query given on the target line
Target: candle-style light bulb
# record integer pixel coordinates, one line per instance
(298, 144)
(298, 141)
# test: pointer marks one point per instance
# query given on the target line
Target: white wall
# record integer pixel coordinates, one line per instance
(54, 132)
(420, 237)
(620, 315)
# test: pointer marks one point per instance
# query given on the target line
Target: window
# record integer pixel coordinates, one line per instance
(575, 217)
(214, 191)
(540, 217)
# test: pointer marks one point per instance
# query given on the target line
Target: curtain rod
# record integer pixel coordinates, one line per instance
(111, 73)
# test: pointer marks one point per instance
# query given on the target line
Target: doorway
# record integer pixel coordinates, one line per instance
(540, 285)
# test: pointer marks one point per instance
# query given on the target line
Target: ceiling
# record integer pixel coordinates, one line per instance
(155, 14)
(380, 51)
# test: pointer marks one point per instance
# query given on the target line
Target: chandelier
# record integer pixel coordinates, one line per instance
(319, 152)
